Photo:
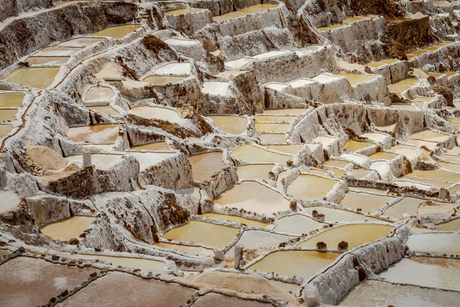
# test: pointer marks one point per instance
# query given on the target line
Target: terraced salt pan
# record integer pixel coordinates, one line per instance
(304, 264)
(190, 250)
(429, 135)
(375, 137)
(454, 122)
(57, 51)
(216, 88)
(402, 106)
(453, 225)
(331, 27)
(285, 112)
(425, 271)
(99, 93)
(160, 80)
(253, 196)
(310, 187)
(366, 202)
(237, 219)
(135, 291)
(105, 109)
(337, 172)
(437, 174)
(255, 239)
(67, 229)
(272, 127)
(205, 233)
(255, 154)
(268, 118)
(9, 200)
(357, 145)
(269, 54)
(409, 151)
(81, 42)
(385, 294)
(325, 140)
(354, 234)
(361, 173)
(230, 124)
(213, 300)
(435, 243)
(291, 149)
(336, 163)
(382, 62)
(296, 224)
(451, 158)
(37, 77)
(47, 60)
(8, 115)
(147, 159)
(129, 262)
(383, 155)
(118, 31)
(401, 86)
(205, 165)
(237, 64)
(101, 161)
(175, 69)
(422, 181)
(428, 144)
(156, 113)
(94, 134)
(407, 205)
(450, 166)
(42, 279)
(183, 11)
(5, 129)
(254, 171)
(153, 146)
(358, 78)
(273, 138)
(368, 190)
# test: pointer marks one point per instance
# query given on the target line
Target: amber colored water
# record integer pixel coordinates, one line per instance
(67, 229)
(273, 138)
(285, 111)
(254, 171)
(236, 219)
(297, 224)
(358, 78)
(160, 80)
(382, 62)
(366, 202)
(407, 205)
(288, 149)
(230, 124)
(5, 129)
(409, 151)
(94, 134)
(272, 127)
(253, 196)
(255, 154)
(354, 234)
(311, 187)
(383, 155)
(336, 163)
(438, 174)
(356, 145)
(183, 11)
(8, 115)
(429, 135)
(268, 118)
(11, 100)
(205, 233)
(205, 165)
(304, 264)
(191, 250)
(135, 263)
(152, 146)
(118, 31)
(81, 42)
(337, 215)
(244, 12)
(331, 27)
(453, 225)
(47, 60)
(37, 77)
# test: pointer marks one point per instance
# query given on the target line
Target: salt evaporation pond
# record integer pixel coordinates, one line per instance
(94, 134)
(254, 171)
(409, 151)
(237, 219)
(304, 264)
(285, 112)
(268, 118)
(57, 51)
(47, 60)
(253, 154)
(336, 26)
(118, 31)
(383, 155)
(183, 11)
(99, 93)
(357, 145)
(205, 233)
(67, 229)
(297, 224)
(129, 262)
(366, 202)
(358, 78)
(8, 115)
(453, 225)
(291, 149)
(407, 205)
(156, 113)
(437, 174)
(382, 62)
(426, 272)
(310, 187)
(383, 294)
(105, 109)
(152, 146)
(435, 243)
(81, 42)
(273, 138)
(367, 190)
(429, 135)
(205, 165)
(253, 196)
(37, 77)
(230, 124)
(339, 215)
(162, 80)
(190, 250)
(147, 159)
(263, 127)
(5, 129)
(354, 234)
(336, 163)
